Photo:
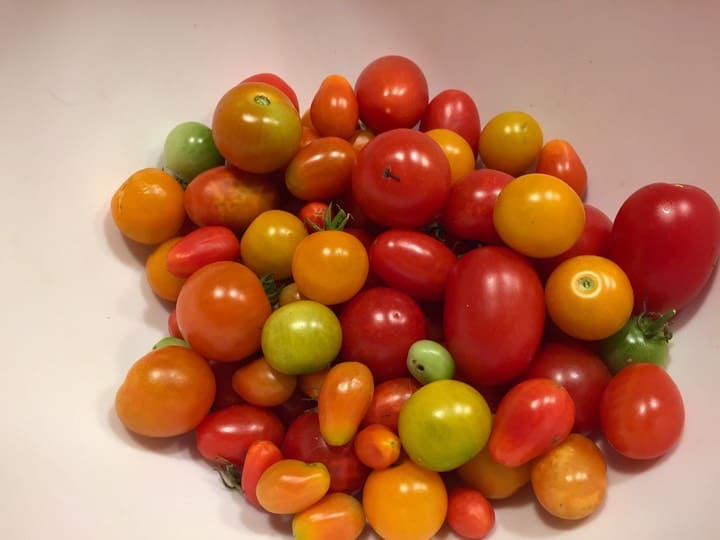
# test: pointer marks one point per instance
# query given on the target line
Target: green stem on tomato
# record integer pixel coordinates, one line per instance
(652, 326)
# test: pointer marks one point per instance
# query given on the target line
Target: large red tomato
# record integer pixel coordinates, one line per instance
(494, 315)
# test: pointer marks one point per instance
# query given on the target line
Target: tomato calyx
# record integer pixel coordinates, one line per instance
(654, 325)
(332, 220)
(272, 287)
(262, 99)
(230, 475)
(387, 173)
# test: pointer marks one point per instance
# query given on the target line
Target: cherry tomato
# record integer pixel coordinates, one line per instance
(558, 158)
(343, 400)
(229, 197)
(334, 108)
(533, 417)
(580, 371)
(260, 455)
(313, 214)
(377, 446)
(510, 142)
(221, 310)
(321, 170)
(392, 92)
(539, 215)
(429, 361)
(330, 267)
(493, 479)
(570, 480)
(167, 392)
(201, 247)
(278, 82)
(256, 127)
(290, 486)
(337, 515)
(228, 433)
(642, 412)
(148, 206)
(494, 315)
(455, 110)
(259, 384)
(469, 513)
(401, 179)
(405, 501)
(589, 297)
(457, 150)
(388, 398)
(378, 327)
(163, 283)
(189, 149)
(672, 233)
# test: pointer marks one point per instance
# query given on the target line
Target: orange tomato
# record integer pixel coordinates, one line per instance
(166, 285)
(344, 398)
(492, 479)
(148, 207)
(337, 515)
(289, 293)
(377, 446)
(289, 486)
(310, 383)
(456, 149)
(559, 158)
(309, 134)
(360, 138)
(405, 502)
(589, 297)
(321, 170)
(334, 108)
(259, 384)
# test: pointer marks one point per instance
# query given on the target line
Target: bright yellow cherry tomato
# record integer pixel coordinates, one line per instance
(510, 142)
(539, 215)
(268, 244)
(456, 149)
(589, 297)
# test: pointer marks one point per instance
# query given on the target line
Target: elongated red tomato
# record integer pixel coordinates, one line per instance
(201, 247)
(455, 110)
(334, 108)
(260, 455)
(559, 158)
(494, 315)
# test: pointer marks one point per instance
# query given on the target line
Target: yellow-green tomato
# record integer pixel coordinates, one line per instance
(444, 424)
(301, 337)
(429, 361)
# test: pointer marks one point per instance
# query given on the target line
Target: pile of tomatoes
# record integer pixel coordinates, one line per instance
(383, 315)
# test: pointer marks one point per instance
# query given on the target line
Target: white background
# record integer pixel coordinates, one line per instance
(88, 91)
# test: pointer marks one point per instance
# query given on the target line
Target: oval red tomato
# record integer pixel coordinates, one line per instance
(454, 110)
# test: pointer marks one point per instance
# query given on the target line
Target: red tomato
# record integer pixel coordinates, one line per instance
(321, 169)
(494, 315)
(201, 247)
(392, 92)
(581, 371)
(533, 417)
(334, 108)
(468, 211)
(454, 110)
(670, 232)
(260, 455)
(401, 179)
(221, 310)
(312, 215)
(642, 412)
(469, 513)
(388, 399)
(277, 82)
(304, 441)
(559, 158)
(378, 327)
(229, 432)
(412, 262)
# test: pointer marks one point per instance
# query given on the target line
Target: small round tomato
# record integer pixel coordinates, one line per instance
(388, 399)
(429, 361)
(510, 142)
(493, 479)
(455, 110)
(166, 392)
(469, 513)
(148, 206)
(570, 480)
(256, 127)
(330, 267)
(405, 501)
(589, 297)
(221, 310)
(321, 170)
(189, 149)
(377, 446)
(290, 486)
(269, 243)
(166, 285)
(642, 412)
(259, 384)
(559, 158)
(313, 214)
(334, 108)
(539, 215)
(457, 150)
(337, 515)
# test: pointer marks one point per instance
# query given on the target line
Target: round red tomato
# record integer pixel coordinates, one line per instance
(378, 326)
(388, 398)
(469, 513)
(454, 110)
(666, 237)
(392, 92)
(494, 315)
(401, 179)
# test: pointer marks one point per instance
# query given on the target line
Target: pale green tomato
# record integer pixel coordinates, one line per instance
(169, 342)
(444, 424)
(429, 361)
(301, 337)
(190, 149)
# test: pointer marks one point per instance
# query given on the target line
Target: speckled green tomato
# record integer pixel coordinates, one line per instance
(444, 424)
(429, 361)
(190, 149)
(301, 337)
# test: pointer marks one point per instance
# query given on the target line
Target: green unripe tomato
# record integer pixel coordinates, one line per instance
(429, 361)
(190, 149)
(171, 342)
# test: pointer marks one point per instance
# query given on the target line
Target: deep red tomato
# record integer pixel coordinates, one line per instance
(494, 315)
(388, 399)
(468, 211)
(670, 233)
(229, 432)
(642, 412)
(533, 417)
(454, 110)
(581, 371)
(378, 327)
(412, 262)
(469, 513)
(392, 92)
(304, 441)
(401, 179)
(277, 82)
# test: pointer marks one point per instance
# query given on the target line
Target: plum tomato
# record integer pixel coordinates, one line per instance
(259, 456)
(204, 245)
(558, 158)
(334, 108)
(455, 110)
(337, 515)
(510, 142)
(289, 486)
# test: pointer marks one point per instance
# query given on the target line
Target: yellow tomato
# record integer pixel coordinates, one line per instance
(539, 215)
(510, 142)
(492, 479)
(166, 285)
(268, 244)
(456, 149)
(589, 297)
